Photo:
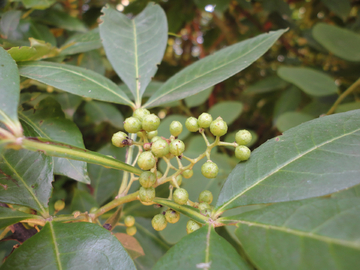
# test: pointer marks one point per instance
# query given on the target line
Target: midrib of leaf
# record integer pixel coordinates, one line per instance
(85, 77)
(302, 234)
(173, 89)
(32, 124)
(57, 254)
(26, 186)
(282, 166)
(138, 102)
(7, 119)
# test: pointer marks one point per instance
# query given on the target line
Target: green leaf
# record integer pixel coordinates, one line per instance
(311, 234)
(202, 249)
(10, 216)
(83, 42)
(3, 144)
(82, 201)
(289, 101)
(48, 121)
(106, 182)
(199, 98)
(311, 81)
(279, 6)
(348, 193)
(27, 176)
(291, 119)
(104, 112)
(164, 130)
(9, 91)
(266, 85)
(213, 69)
(316, 158)
(63, 19)
(75, 80)
(38, 4)
(340, 8)
(70, 246)
(348, 107)
(135, 46)
(339, 41)
(9, 22)
(37, 31)
(69, 103)
(228, 110)
(173, 233)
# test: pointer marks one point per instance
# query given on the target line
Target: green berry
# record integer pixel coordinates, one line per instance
(192, 124)
(176, 128)
(131, 230)
(209, 169)
(178, 179)
(159, 222)
(172, 216)
(152, 134)
(204, 208)
(192, 226)
(206, 196)
(141, 113)
(59, 205)
(150, 122)
(146, 160)
(181, 196)
(160, 148)
(188, 173)
(24, 209)
(177, 147)
(155, 138)
(118, 138)
(243, 137)
(147, 146)
(218, 127)
(242, 152)
(147, 194)
(129, 221)
(147, 179)
(132, 125)
(205, 120)
(93, 209)
(158, 174)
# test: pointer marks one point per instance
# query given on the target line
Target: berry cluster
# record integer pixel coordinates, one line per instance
(153, 147)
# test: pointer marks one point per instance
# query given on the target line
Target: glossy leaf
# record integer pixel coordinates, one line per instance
(10, 216)
(63, 19)
(106, 182)
(199, 98)
(339, 41)
(27, 176)
(135, 46)
(69, 103)
(348, 193)
(348, 107)
(291, 119)
(173, 233)
(82, 201)
(75, 80)
(288, 101)
(48, 121)
(202, 249)
(227, 110)
(32, 29)
(340, 8)
(9, 89)
(9, 22)
(316, 158)
(104, 112)
(38, 4)
(83, 42)
(213, 69)
(266, 85)
(311, 234)
(131, 245)
(311, 81)
(70, 246)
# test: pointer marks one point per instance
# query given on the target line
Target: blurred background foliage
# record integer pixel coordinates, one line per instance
(297, 80)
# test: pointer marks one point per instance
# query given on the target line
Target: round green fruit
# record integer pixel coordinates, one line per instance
(141, 113)
(192, 124)
(150, 122)
(204, 208)
(205, 196)
(176, 128)
(188, 173)
(209, 169)
(131, 230)
(180, 196)
(132, 125)
(178, 179)
(146, 194)
(118, 138)
(172, 216)
(218, 127)
(205, 120)
(159, 222)
(155, 138)
(152, 134)
(242, 152)
(243, 137)
(129, 221)
(146, 160)
(59, 205)
(192, 226)
(147, 179)
(177, 147)
(160, 148)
